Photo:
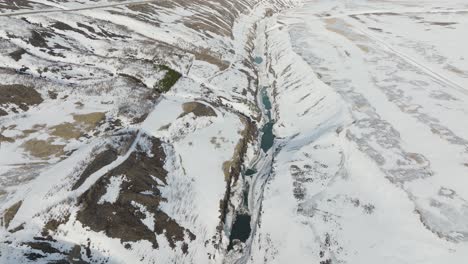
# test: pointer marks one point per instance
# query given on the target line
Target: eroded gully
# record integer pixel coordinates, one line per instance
(256, 175)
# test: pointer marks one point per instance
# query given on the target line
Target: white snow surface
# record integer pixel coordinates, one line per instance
(112, 191)
(370, 104)
(371, 119)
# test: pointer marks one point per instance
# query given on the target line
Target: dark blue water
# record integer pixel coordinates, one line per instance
(266, 100)
(240, 230)
(268, 137)
(250, 172)
(258, 60)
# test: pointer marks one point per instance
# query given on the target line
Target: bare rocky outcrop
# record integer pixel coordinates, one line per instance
(19, 95)
(142, 172)
(102, 159)
(10, 213)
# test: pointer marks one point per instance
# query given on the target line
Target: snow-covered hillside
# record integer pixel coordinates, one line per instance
(233, 131)
(370, 165)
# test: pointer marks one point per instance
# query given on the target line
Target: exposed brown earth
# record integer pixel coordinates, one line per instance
(42, 246)
(6, 139)
(46, 246)
(16, 55)
(52, 94)
(102, 159)
(66, 131)
(206, 55)
(232, 167)
(10, 213)
(20, 95)
(122, 219)
(90, 120)
(43, 148)
(83, 123)
(54, 223)
(198, 109)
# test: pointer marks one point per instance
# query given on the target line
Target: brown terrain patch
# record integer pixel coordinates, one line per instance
(363, 48)
(456, 70)
(47, 247)
(232, 167)
(206, 55)
(52, 94)
(20, 95)
(53, 224)
(43, 246)
(339, 26)
(375, 29)
(65, 27)
(90, 120)
(122, 219)
(10, 213)
(15, 4)
(6, 139)
(198, 109)
(165, 127)
(83, 123)
(66, 131)
(102, 159)
(443, 24)
(43, 148)
(27, 132)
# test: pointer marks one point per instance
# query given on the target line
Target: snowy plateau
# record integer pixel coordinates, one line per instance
(234, 131)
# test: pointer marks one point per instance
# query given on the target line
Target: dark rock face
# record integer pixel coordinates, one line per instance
(101, 160)
(20, 95)
(46, 246)
(16, 55)
(139, 188)
(43, 246)
(37, 39)
(10, 213)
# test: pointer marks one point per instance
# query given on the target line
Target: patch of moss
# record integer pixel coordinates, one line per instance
(169, 79)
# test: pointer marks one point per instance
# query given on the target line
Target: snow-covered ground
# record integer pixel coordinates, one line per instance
(369, 101)
(100, 166)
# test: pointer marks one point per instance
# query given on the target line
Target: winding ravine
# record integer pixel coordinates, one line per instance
(258, 172)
